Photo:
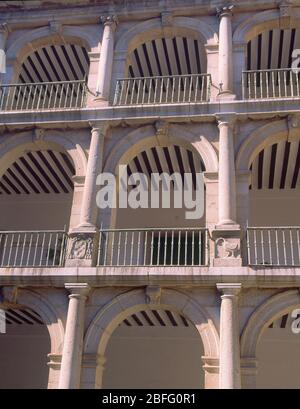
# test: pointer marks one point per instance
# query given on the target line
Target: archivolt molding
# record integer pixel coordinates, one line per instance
(14, 146)
(153, 28)
(259, 139)
(112, 314)
(263, 21)
(146, 137)
(263, 316)
(41, 304)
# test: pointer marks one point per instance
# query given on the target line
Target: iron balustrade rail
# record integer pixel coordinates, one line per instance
(273, 246)
(153, 247)
(174, 89)
(43, 95)
(264, 84)
(32, 248)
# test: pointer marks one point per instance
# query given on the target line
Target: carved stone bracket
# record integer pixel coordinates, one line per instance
(293, 124)
(166, 19)
(82, 248)
(285, 8)
(153, 294)
(227, 247)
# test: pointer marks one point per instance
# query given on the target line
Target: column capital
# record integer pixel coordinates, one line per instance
(100, 127)
(229, 290)
(225, 11)
(78, 289)
(3, 28)
(110, 20)
(226, 120)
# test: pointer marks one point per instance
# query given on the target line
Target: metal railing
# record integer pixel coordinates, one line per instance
(173, 89)
(273, 246)
(43, 95)
(264, 84)
(153, 247)
(32, 248)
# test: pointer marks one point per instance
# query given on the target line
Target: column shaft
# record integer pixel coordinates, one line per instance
(227, 182)
(73, 340)
(88, 207)
(230, 376)
(225, 50)
(106, 57)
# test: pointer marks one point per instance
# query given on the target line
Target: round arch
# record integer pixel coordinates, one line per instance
(23, 46)
(263, 316)
(41, 304)
(263, 21)
(147, 29)
(16, 145)
(260, 138)
(111, 315)
(145, 137)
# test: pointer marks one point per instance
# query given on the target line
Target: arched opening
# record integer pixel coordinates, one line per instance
(278, 354)
(165, 66)
(53, 75)
(274, 201)
(24, 345)
(36, 197)
(269, 61)
(163, 219)
(154, 348)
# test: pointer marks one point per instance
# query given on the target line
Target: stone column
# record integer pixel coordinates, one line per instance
(227, 182)
(106, 57)
(225, 52)
(73, 340)
(88, 213)
(230, 372)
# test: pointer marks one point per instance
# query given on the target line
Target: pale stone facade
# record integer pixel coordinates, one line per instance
(114, 318)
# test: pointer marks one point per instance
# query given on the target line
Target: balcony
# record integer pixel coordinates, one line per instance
(174, 89)
(32, 248)
(43, 96)
(273, 246)
(153, 247)
(268, 84)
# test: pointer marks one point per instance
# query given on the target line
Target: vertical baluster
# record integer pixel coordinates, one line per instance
(112, 249)
(190, 88)
(131, 247)
(292, 248)
(127, 91)
(179, 247)
(273, 84)
(10, 249)
(297, 84)
(262, 246)
(193, 246)
(284, 246)
(196, 88)
(267, 83)
(172, 248)
(80, 91)
(173, 90)
(158, 249)
(243, 85)
(185, 248)
(279, 84)
(167, 90)
(155, 90)
(17, 249)
(161, 89)
(261, 84)
(132, 91)
(255, 85)
(248, 246)
(34, 96)
(200, 247)
(122, 84)
(290, 74)
(99, 247)
(23, 248)
(138, 249)
(35, 249)
(125, 248)
(152, 245)
(45, 106)
(184, 88)
(119, 247)
(249, 76)
(270, 246)
(255, 247)
(48, 250)
(29, 250)
(62, 249)
(4, 249)
(277, 249)
(285, 84)
(107, 238)
(165, 249)
(298, 244)
(145, 246)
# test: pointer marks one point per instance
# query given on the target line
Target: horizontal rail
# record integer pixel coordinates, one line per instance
(265, 84)
(32, 248)
(273, 246)
(43, 96)
(153, 247)
(174, 89)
